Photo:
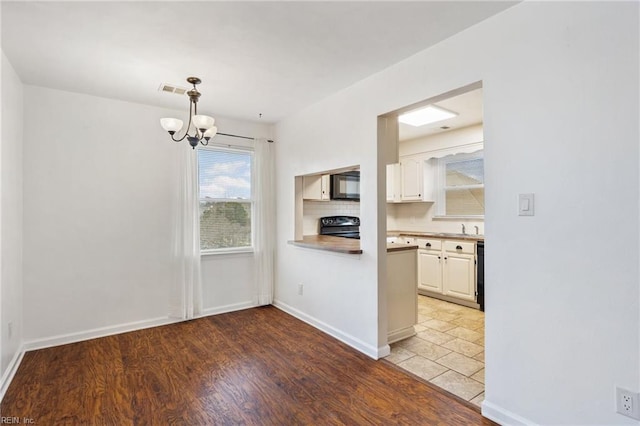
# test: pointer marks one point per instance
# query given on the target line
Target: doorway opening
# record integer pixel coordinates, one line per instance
(435, 200)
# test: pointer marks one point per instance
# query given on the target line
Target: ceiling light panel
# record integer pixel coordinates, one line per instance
(427, 115)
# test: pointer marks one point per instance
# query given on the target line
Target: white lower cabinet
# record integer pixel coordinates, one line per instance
(430, 265)
(448, 268)
(458, 276)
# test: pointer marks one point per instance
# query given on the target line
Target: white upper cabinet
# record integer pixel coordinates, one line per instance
(316, 187)
(393, 183)
(417, 179)
(411, 172)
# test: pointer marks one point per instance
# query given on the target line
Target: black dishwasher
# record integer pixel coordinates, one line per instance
(480, 272)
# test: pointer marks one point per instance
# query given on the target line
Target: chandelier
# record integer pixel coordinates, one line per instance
(203, 124)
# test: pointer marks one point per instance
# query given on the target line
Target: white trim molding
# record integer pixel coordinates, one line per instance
(80, 336)
(502, 416)
(354, 342)
(10, 372)
(227, 308)
(64, 339)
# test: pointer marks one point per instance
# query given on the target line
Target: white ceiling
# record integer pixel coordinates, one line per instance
(468, 106)
(272, 58)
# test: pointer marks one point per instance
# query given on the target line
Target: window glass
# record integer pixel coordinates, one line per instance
(226, 205)
(462, 192)
(468, 172)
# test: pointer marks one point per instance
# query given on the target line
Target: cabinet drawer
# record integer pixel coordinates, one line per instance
(460, 246)
(429, 244)
(407, 240)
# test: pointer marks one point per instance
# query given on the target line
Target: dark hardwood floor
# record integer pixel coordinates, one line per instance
(257, 367)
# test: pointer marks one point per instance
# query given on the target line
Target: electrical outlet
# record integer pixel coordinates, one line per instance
(627, 403)
(300, 289)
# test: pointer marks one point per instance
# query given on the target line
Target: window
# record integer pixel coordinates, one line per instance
(226, 202)
(462, 185)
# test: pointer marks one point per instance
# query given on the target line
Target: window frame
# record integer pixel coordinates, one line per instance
(442, 188)
(229, 250)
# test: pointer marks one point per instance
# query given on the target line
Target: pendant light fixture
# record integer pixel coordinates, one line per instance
(204, 128)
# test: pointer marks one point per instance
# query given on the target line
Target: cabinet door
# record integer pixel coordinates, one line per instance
(325, 187)
(430, 270)
(411, 178)
(459, 278)
(393, 182)
(316, 187)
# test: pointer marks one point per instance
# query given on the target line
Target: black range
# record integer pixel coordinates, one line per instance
(340, 226)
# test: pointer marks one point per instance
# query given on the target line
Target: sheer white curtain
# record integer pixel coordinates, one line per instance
(186, 287)
(264, 221)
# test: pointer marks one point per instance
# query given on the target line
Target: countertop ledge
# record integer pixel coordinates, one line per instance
(439, 235)
(342, 245)
(328, 243)
(401, 247)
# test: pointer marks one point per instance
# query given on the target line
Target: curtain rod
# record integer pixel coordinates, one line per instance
(242, 137)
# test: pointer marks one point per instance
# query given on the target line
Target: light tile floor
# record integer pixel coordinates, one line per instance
(448, 349)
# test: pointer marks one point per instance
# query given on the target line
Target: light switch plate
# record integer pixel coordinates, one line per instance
(525, 204)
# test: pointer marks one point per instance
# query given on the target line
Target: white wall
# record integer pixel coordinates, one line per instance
(340, 291)
(560, 86)
(11, 216)
(99, 193)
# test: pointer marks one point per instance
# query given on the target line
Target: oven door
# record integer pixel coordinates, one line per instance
(345, 186)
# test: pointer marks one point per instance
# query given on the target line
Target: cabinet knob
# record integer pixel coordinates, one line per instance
(428, 245)
(458, 247)
(438, 257)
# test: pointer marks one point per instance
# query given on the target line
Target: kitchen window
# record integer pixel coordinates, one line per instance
(461, 189)
(225, 198)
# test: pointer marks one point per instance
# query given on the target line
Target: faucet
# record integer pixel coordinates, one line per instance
(477, 229)
(464, 230)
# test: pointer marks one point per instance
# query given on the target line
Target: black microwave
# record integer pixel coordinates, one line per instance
(345, 186)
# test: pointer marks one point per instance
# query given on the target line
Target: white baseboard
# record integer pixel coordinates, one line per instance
(80, 336)
(401, 334)
(64, 339)
(502, 416)
(7, 377)
(228, 308)
(359, 345)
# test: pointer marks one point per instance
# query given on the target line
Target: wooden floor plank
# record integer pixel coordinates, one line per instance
(256, 367)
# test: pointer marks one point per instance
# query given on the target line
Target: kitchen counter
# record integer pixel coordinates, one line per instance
(400, 247)
(440, 235)
(329, 243)
(342, 245)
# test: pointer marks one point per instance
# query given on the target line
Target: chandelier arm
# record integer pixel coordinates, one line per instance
(179, 140)
(189, 123)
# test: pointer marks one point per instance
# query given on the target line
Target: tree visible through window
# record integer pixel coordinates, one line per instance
(224, 178)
